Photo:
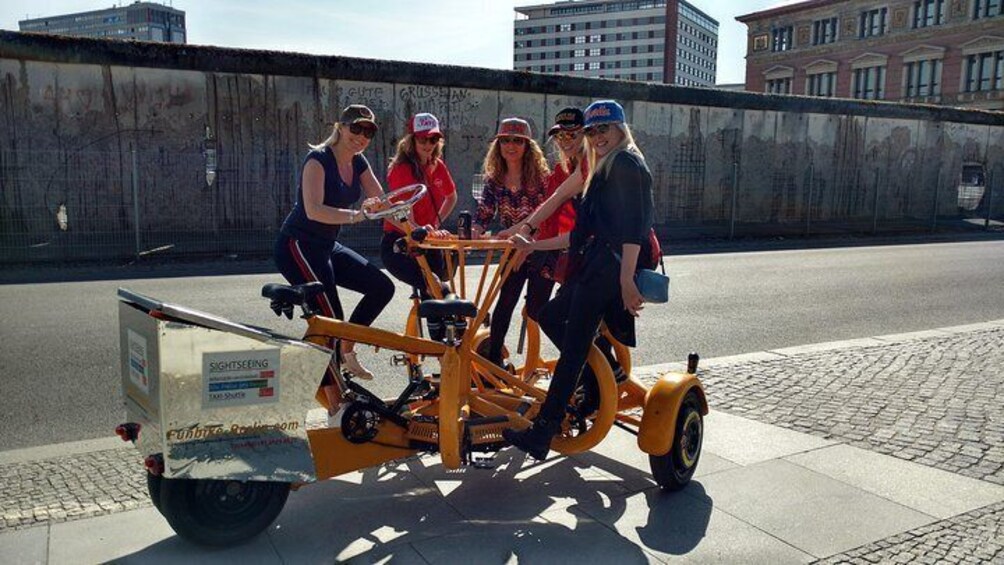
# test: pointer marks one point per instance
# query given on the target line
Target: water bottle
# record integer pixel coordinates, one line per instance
(464, 225)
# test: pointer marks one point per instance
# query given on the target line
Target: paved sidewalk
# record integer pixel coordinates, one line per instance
(883, 449)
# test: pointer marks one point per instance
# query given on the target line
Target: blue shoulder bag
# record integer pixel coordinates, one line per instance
(653, 286)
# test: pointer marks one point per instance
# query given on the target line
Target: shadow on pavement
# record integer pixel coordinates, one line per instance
(415, 511)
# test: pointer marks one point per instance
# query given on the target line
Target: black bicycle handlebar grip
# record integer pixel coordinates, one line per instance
(418, 235)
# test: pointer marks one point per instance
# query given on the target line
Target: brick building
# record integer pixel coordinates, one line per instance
(934, 51)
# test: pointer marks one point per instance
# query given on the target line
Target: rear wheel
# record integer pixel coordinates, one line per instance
(220, 512)
(153, 488)
(674, 470)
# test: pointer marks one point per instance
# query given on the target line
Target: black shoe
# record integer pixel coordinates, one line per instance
(535, 440)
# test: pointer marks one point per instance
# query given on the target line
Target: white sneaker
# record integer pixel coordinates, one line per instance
(351, 364)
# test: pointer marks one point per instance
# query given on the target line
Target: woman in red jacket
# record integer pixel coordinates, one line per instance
(545, 231)
(419, 159)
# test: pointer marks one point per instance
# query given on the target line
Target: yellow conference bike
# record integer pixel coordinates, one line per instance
(231, 417)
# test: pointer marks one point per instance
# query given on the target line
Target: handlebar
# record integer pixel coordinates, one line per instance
(413, 193)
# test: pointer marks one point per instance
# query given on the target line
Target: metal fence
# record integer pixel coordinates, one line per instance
(73, 206)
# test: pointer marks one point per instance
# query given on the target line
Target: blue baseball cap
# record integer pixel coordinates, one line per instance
(604, 112)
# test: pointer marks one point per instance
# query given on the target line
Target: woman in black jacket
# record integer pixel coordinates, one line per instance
(611, 233)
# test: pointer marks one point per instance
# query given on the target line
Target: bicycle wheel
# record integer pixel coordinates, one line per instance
(583, 431)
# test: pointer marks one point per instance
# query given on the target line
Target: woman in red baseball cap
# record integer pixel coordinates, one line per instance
(334, 176)
(419, 159)
(515, 171)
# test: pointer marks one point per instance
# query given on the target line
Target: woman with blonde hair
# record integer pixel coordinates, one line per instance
(611, 242)
(419, 161)
(334, 176)
(515, 171)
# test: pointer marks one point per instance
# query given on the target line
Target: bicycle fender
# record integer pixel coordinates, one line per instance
(662, 406)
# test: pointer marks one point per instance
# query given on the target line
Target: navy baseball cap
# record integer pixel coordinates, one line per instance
(604, 112)
(569, 119)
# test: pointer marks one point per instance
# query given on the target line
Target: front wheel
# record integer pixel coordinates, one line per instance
(674, 470)
(220, 512)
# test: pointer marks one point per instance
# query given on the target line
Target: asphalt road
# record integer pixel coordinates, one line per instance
(59, 365)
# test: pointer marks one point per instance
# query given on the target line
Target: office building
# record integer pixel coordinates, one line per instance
(668, 41)
(933, 51)
(145, 21)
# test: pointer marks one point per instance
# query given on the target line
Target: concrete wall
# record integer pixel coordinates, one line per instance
(114, 133)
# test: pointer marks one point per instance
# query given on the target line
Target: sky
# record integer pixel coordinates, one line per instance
(474, 33)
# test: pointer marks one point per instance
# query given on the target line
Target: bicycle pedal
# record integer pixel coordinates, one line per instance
(487, 462)
(399, 360)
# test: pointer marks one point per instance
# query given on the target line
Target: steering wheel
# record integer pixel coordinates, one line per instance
(398, 202)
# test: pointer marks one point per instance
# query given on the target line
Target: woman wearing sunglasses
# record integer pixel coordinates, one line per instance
(419, 160)
(333, 177)
(547, 229)
(611, 233)
(514, 173)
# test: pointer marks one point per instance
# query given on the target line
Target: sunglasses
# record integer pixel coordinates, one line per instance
(508, 140)
(567, 135)
(366, 131)
(600, 129)
(429, 140)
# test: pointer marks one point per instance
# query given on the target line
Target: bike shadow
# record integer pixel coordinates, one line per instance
(585, 508)
(557, 510)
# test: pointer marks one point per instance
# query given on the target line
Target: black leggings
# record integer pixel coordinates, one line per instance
(302, 261)
(406, 269)
(571, 321)
(537, 294)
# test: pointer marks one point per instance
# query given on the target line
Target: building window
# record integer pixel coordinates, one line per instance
(595, 38)
(579, 67)
(824, 31)
(595, 52)
(869, 83)
(821, 84)
(579, 53)
(778, 86)
(873, 22)
(594, 65)
(985, 71)
(781, 39)
(987, 8)
(565, 27)
(923, 78)
(928, 13)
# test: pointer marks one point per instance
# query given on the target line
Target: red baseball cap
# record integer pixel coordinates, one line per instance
(515, 127)
(424, 125)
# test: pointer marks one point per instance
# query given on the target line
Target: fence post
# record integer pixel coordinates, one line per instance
(735, 194)
(135, 199)
(989, 198)
(937, 191)
(875, 204)
(808, 204)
